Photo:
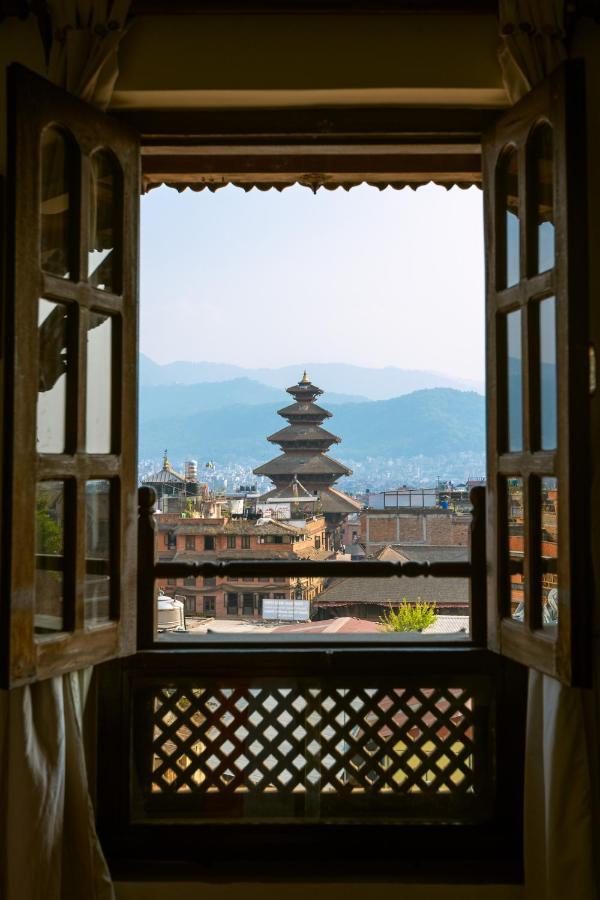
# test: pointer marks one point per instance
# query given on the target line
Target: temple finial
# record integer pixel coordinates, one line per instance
(305, 379)
(166, 463)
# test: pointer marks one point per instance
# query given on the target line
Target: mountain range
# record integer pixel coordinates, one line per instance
(231, 420)
(335, 378)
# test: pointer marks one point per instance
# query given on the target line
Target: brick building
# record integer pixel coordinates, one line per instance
(219, 540)
(431, 526)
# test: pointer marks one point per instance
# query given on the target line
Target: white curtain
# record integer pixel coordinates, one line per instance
(532, 42)
(559, 792)
(84, 52)
(47, 826)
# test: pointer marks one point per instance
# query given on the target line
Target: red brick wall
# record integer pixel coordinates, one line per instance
(435, 528)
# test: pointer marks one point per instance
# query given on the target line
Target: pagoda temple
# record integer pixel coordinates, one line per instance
(304, 468)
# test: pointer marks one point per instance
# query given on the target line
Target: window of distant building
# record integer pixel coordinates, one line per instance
(245, 542)
(231, 542)
(247, 579)
(209, 542)
(279, 596)
(171, 540)
(190, 606)
(248, 604)
(171, 582)
(190, 581)
(209, 605)
(190, 542)
(317, 543)
(210, 581)
(232, 604)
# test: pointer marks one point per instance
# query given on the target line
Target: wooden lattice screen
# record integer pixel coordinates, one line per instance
(281, 748)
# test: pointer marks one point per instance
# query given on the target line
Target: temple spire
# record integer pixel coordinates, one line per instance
(304, 443)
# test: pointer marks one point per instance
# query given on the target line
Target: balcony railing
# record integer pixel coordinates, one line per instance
(149, 569)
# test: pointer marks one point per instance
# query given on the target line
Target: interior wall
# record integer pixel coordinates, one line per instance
(19, 42)
(212, 60)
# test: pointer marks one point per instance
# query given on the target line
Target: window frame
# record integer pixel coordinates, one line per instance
(34, 105)
(563, 651)
(493, 846)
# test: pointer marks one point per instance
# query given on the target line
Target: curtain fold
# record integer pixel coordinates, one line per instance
(84, 50)
(532, 42)
(46, 818)
(559, 828)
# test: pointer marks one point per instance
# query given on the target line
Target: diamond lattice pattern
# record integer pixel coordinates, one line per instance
(286, 740)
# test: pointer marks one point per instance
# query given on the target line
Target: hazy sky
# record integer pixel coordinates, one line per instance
(369, 277)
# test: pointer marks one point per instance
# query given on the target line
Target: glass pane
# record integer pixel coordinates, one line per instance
(52, 380)
(548, 381)
(516, 546)
(49, 557)
(97, 552)
(541, 161)
(99, 384)
(549, 550)
(57, 169)
(514, 392)
(103, 268)
(508, 200)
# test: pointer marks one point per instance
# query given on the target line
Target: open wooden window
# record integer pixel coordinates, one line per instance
(535, 188)
(71, 383)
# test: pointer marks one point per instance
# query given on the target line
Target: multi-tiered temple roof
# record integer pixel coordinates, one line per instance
(304, 460)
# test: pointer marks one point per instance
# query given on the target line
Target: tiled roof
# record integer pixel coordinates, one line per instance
(193, 526)
(341, 625)
(429, 553)
(165, 476)
(335, 501)
(301, 432)
(303, 408)
(448, 625)
(390, 554)
(381, 591)
(302, 465)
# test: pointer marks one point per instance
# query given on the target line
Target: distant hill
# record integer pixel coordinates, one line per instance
(341, 378)
(436, 421)
(158, 402)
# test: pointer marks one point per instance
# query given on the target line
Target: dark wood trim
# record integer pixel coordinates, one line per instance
(164, 130)
(312, 7)
(491, 850)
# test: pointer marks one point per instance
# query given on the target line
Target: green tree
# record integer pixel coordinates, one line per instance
(408, 616)
(48, 531)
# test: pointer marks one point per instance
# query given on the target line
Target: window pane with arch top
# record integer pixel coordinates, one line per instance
(52, 377)
(104, 231)
(97, 552)
(548, 374)
(515, 550)
(59, 170)
(49, 555)
(541, 167)
(514, 378)
(508, 265)
(98, 436)
(549, 588)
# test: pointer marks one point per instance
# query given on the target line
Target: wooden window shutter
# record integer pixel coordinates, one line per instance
(537, 379)
(70, 341)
